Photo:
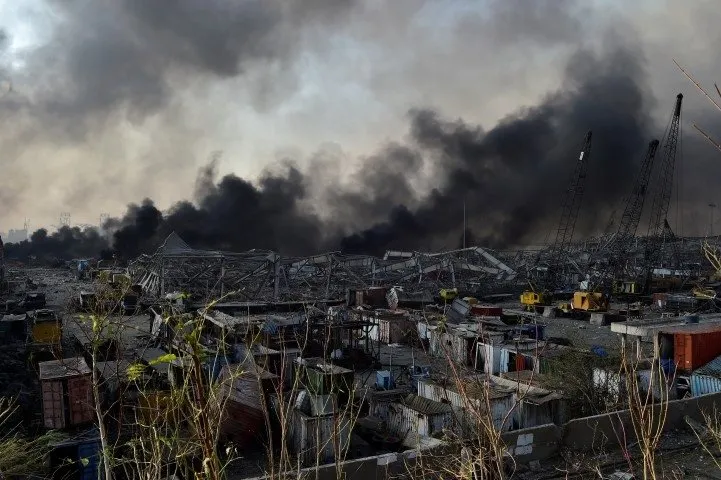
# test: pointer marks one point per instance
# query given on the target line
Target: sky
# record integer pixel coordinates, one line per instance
(113, 101)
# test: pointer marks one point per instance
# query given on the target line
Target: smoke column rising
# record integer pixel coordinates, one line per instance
(510, 177)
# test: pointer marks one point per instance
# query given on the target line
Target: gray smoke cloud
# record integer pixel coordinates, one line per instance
(122, 100)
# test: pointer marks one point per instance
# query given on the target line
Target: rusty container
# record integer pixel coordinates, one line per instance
(694, 348)
(67, 393)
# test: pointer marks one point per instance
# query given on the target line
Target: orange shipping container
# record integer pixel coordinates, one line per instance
(694, 348)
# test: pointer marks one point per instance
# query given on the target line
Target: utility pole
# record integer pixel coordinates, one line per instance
(711, 207)
(464, 224)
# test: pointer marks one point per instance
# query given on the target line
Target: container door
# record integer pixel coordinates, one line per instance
(89, 460)
(80, 396)
(679, 350)
(53, 404)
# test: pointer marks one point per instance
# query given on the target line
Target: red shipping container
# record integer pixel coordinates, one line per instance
(694, 348)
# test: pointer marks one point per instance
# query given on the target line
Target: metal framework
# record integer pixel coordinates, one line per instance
(265, 276)
(569, 212)
(658, 226)
(260, 277)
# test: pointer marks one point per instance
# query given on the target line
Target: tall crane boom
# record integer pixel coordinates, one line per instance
(631, 216)
(658, 228)
(634, 206)
(570, 208)
(662, 196)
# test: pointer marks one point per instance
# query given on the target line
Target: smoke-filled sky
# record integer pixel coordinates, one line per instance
(365, 124)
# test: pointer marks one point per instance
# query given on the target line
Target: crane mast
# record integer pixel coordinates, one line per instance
(569, 213)
(631, 216)
(658, 226)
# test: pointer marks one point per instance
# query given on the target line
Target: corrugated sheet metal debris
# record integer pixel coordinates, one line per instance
(67, 367)
(711, 369)
(426, 406)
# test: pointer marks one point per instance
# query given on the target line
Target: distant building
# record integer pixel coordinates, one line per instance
(17, 236)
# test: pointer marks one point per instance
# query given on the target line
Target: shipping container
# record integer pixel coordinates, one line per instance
(694, 348)
(90, 460)
(78, 458)
(706, 379)
(67, 393)
(53, 404)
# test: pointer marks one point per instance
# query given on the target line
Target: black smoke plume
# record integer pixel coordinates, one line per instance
(510, 179)
(65, 244)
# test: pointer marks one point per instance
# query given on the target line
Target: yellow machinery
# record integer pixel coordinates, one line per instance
(624, 287)
(589, 301)
(530, 299)
(45, 327)
(448, 294)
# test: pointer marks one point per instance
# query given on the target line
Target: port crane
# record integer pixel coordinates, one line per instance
(659, 231)
(542, 293)
(620, 277)
(619, 269)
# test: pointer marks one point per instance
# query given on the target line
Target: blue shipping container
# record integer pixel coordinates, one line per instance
(89, 459)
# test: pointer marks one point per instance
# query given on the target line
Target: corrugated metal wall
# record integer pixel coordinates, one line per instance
(529, 415)
(403, 420)
(491, 355)
(442, 344)
(319, 440)
(704, 384)
(500, 405)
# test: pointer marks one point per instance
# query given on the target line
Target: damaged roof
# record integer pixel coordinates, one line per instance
(426, 406)
(64, 368)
